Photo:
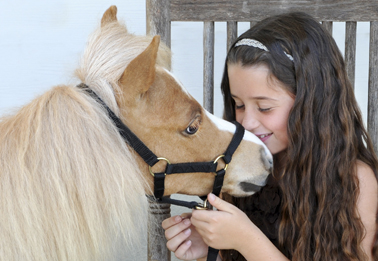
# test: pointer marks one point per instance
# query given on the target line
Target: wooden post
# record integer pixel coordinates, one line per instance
(208, 66)
(373, 85)
(158, 23)
(232, 33)
(328, 26)
(158, 19)
(157, 249)
(350, 50)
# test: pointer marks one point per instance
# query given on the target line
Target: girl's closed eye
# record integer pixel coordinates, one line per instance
(264, 109)
(241, 106)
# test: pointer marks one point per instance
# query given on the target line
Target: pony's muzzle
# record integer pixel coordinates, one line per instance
(260, 181)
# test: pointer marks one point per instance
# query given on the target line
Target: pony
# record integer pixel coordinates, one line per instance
(70, 185)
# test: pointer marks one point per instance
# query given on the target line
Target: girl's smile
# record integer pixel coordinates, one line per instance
(264, 137)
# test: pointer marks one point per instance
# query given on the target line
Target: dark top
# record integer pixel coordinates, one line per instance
(263, 208)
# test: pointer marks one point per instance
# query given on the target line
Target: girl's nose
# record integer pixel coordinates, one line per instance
(250, 122)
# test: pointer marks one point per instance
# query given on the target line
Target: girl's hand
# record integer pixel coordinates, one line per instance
(227, 228)
(183, 238)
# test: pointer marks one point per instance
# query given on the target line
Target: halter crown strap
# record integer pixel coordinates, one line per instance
(148, 156)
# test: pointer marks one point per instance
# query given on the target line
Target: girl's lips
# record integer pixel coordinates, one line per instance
(264, 137)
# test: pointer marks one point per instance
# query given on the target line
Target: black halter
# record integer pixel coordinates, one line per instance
(189, 167)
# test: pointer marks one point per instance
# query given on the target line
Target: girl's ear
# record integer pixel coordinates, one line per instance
(139, 75)
(109, 16)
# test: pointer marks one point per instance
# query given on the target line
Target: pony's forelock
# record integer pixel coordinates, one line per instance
(109, 50)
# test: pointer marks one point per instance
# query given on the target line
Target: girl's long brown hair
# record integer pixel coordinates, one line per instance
(326, 137)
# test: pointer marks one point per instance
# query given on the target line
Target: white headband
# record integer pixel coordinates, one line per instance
(257, 44)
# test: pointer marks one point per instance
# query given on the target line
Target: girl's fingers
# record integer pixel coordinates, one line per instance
(181, 251)
(176, 228)
(176, 242)
(219, 203)
(167, 223)
(202, 216)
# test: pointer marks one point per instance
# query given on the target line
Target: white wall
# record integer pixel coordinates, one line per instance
(41, 42)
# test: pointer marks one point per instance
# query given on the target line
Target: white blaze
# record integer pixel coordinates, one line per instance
(228, 126)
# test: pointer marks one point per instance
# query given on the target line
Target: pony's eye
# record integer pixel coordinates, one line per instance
(193, 126)
(191, 129)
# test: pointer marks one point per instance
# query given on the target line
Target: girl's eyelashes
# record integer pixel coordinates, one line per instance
(264, 109)
(238, 107)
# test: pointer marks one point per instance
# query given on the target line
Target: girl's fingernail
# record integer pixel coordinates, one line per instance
(189, 242)
(177, 218)
(187, 232)
(211, 196)
(186, 222)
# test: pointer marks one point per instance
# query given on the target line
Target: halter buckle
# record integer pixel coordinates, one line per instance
(204, 206)
(150, 168)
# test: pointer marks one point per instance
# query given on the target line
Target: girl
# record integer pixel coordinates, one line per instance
(285, 81)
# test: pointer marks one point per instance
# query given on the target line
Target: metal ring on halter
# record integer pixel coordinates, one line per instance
(203, 206)
(150, 169)
(221, 156)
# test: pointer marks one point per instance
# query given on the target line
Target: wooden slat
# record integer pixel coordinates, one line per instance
(208, 66)
(232, 33)
(328, 25)
(252, 23)
(256, 10)
(373, 85)
(350, 50)
(159, 20)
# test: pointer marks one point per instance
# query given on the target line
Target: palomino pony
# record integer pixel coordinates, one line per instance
(69, 183)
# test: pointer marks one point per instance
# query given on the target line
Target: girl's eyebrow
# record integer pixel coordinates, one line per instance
(257, 98)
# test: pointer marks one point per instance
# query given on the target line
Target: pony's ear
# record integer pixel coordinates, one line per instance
(109, 16)
(139, 75)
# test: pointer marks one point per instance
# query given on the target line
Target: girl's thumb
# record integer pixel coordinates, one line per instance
(216, 202)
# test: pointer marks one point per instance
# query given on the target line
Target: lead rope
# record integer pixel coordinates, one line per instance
(189, 167)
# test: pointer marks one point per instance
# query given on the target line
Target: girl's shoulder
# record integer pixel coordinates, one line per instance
(368, 186)
(367, 204)
(366, 175)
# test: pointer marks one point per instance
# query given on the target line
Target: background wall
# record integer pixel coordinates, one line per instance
(41, 42)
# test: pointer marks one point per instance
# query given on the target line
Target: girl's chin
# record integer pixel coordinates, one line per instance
(277, 152)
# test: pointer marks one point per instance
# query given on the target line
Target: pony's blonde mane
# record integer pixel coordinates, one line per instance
(69, 185)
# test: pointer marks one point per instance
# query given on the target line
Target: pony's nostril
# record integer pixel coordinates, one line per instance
(250, 187)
